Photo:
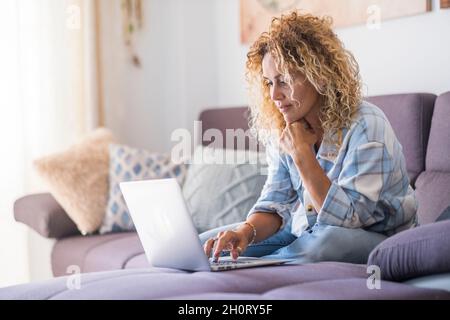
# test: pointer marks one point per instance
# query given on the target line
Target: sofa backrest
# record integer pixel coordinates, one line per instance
(433, 185)
(410, 117)
(438, 152)
(227, 118)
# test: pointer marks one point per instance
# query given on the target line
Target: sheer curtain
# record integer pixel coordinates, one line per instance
(49, 97)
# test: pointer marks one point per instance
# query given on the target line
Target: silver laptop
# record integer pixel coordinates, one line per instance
(167, 232)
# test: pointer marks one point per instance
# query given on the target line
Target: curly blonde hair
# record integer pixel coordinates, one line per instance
(305, 43)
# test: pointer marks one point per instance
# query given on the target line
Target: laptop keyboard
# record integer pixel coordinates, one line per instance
(228, 262)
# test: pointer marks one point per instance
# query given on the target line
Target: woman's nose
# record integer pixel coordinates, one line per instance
(277, 94)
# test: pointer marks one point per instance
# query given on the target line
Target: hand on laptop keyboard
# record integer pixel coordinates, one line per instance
(233, 241)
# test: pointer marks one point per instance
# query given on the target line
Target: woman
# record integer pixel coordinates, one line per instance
(337, 182)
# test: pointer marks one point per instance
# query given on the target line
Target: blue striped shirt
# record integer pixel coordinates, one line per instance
(369, 182)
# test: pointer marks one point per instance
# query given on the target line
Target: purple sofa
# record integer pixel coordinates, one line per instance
(114, 266)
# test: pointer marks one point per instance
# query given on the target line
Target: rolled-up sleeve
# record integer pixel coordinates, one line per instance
(278, 195)
(353, 197)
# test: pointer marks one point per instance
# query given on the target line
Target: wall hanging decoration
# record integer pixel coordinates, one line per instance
(132, 20)
(256, 14)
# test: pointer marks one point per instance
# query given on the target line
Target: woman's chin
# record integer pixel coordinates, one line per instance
(289, 118)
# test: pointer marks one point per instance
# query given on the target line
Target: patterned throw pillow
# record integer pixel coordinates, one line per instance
(223, 185)
(130, 164)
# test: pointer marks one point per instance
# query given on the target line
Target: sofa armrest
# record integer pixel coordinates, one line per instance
(42, 213)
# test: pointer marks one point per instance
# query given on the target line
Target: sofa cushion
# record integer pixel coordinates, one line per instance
(137, 262)
(156, 283)
(414, 253)
(131, 164)
(410, 117)
(326, 280)
(222, 185)
(95, 252)
(44, 214)
(438, 152)
(432, 191)
(78, 179)
(334, 289)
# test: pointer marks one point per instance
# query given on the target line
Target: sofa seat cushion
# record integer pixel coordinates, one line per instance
(95, 253)
(339, 289)
(328, 280)
(138, 261)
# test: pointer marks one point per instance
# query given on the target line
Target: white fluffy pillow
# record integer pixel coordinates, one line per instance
(78, 179)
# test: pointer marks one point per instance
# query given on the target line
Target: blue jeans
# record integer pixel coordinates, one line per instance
(319, 242)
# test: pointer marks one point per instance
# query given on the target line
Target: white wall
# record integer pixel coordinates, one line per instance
(408, 54)
(192, 58)
(178, 75)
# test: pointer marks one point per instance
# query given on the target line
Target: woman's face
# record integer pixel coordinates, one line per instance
(300, 101)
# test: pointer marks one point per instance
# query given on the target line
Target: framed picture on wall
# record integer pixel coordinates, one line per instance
(256, 14)
(445, 4)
